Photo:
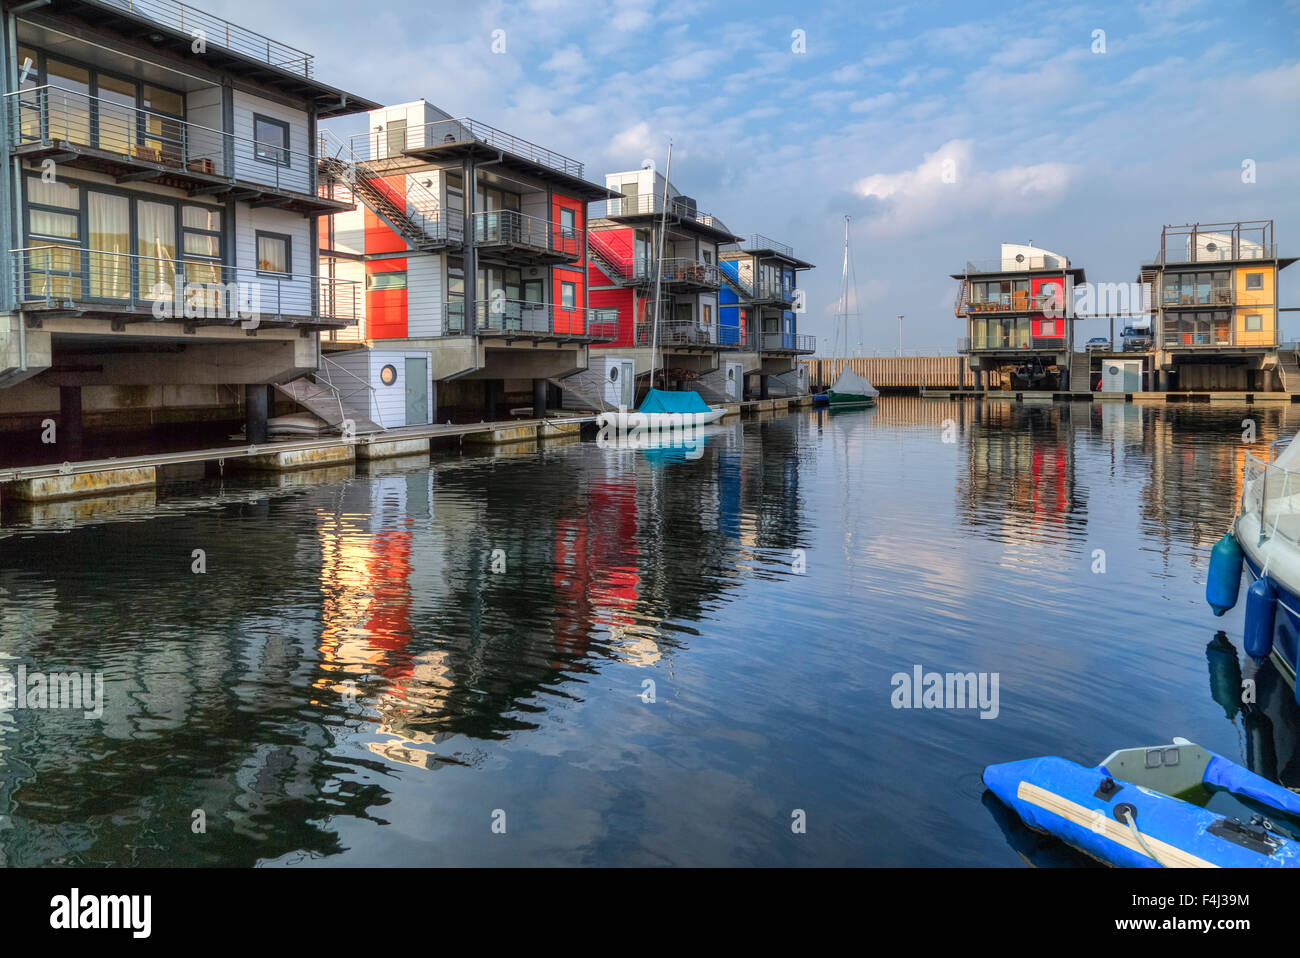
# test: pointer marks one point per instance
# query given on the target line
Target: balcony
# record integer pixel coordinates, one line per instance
(788, 343)
(680, 271)
(1216, 243)
(527, 237)
(184, 19)
(127, 288)
(756, 242)
(520, 319)
(685, 333)
(1193, 335)
(132, 144)
(1024, 265)
(772, 293)
(631, 207)
(1016, 302)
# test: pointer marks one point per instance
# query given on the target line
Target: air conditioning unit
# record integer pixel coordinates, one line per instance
(685, 206)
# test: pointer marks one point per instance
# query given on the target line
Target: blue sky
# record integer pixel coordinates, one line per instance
(1081, 152)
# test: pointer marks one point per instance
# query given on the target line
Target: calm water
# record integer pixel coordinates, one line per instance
(352, 683)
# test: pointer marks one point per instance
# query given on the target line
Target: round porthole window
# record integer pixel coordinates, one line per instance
(731, 374)
(613, 374)
(388, 375)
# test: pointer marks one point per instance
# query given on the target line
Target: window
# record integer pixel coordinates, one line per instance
(271, 140)
(568, 223)
(273, 253)
(1254, 280)
(1254, 322)
(569, 295)
(393, 279)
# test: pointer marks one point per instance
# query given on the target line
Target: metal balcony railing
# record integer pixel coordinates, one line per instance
(681, 269)
(1218, 333)
(784, 342)
(382, 144)
(679, 333)
(185, 19)
(756, 241)
(190, 290)
(509, 228)
(46, 114)
(1011, 265)
(1016, 302)
(775, 292)
(504, 317)
(647, 204)
(963, 344)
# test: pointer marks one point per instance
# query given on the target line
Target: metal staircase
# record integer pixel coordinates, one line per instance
(618, 267)
(416, 217)
(731, 279)
(1289, 369)
(963, 299)
(584, 395)
(330, 403)
(1080, 372)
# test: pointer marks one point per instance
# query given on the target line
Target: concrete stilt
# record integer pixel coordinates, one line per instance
(69, 435)
(762, 386)
(255, 412)
(539, 398)
(490, 400)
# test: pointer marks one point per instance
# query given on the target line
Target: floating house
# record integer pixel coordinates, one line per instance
(1019, 313)
(164, 197)
(470, 243)
(1214, 295)
(760, 307)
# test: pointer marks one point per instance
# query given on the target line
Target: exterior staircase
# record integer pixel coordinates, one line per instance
(1289, 369)
(585, 390)
(730, 277)
(327, 401)
(416, 217)
(617, 266)
(1080, 372)
(710, 395)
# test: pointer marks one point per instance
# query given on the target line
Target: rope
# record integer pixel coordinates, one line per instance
(1132, 825)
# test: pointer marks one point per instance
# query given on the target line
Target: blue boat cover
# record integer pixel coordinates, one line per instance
(670, 401)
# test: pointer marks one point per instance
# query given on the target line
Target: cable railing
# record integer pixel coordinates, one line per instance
(510, 228)
(503, 317)
(757, 241)
(46, 114)
(648, 203)
(419, 205)
(190, 290)
(388, 143)
(683, 269)
(789, 342)
(1017, 264)
(679, 333)
(186, 19)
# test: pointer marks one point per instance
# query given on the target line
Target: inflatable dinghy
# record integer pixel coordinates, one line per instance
(1126, 812)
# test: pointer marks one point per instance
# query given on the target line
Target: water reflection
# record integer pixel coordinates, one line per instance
(477, 635)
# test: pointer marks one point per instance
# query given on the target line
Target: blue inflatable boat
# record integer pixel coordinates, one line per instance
(1127, 811)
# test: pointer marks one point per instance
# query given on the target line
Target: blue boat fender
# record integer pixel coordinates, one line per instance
(1261, 610)
(1224, 581)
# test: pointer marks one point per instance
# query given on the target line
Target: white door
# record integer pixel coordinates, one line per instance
(620, 383)
(734, 381)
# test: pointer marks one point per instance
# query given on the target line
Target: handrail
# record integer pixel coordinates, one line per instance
(329, 381)
(422, 207)
(186, 19)
(514, 228)
(208, 289)
(462, 130)
(84, 120)
(498, 316)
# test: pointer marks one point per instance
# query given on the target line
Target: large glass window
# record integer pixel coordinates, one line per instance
(108, 219)
(156, 246)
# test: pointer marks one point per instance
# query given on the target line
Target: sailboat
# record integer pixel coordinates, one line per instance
(850, 390)
(667, 408)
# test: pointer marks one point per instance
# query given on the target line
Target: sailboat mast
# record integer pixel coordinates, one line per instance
(843, 318)
(659, 269)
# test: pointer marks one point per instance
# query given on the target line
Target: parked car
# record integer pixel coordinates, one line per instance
(1137, 339)
(1097, 343)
